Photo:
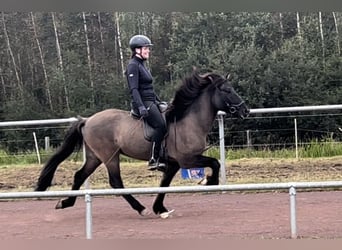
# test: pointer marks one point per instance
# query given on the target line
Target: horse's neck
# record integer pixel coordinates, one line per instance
(187, 137)
(201, 115)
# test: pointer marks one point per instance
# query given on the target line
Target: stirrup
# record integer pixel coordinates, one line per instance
(156, 165)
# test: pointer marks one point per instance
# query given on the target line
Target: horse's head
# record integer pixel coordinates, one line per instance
(225, 98)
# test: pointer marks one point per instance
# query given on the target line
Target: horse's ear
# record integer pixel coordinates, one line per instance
(207, 75)
(229, 76)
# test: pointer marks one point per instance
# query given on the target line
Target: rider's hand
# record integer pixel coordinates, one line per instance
(143, 111)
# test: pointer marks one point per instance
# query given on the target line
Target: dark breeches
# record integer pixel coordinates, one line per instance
(155, 120)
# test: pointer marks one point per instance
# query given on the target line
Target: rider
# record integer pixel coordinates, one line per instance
(144, 99)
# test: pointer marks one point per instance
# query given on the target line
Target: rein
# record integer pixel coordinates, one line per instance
(175, 124)
(111, 157)
(115, 152)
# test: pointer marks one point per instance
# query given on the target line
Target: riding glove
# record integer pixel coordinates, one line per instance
(143, 111)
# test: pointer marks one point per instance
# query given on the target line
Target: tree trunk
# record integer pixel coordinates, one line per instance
(299, 32)
(48, 92)
(337, 34)
(20, 84)
(60, 61)
(117, 17)
(281, 26)
(4, 92)
(322, 36)
(89, 61)
(101, 29)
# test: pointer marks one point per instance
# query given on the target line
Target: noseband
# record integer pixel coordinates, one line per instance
(233, 108)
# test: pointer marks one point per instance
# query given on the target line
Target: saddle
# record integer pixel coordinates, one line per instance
(148, 130)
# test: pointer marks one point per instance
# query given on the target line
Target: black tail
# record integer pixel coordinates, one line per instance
(73, 140)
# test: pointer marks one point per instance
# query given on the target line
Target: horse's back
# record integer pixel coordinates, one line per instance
(109, 114)
(114, 128)
(104, 121)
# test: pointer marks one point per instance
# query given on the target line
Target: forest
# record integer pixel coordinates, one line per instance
(64, 64)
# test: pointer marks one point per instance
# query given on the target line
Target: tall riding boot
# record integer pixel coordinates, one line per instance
(154, 163)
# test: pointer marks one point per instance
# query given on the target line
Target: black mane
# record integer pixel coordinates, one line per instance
(191, 88)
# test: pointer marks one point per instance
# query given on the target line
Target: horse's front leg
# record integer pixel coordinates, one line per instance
(158, 205)
(115, 181)
(205, 161)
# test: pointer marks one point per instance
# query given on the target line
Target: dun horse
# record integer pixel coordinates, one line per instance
(112, 132)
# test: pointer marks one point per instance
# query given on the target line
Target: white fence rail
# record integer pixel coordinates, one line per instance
(252, 111)
(88, 193)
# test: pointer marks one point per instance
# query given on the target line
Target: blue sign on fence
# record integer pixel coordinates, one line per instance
(192, 173)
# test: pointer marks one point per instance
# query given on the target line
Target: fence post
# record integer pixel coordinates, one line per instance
(296, 137)
(222, 149)
(293, 218)
(249, 140)
(89, 223)
(36, 146)
(47, 143)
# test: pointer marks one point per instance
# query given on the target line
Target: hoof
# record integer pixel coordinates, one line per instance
(145, 212)
(167, 214)
(203, 181)
(59, 205)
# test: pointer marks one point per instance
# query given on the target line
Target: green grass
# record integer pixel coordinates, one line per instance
(321, 148)
(31, 157)
(314, 149)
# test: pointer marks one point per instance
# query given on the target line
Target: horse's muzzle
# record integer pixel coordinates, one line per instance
(239, 110)
(244, 113)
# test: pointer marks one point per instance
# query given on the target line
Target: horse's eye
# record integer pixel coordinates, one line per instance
(225, 89)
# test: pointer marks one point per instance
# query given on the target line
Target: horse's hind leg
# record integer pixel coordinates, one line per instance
(91, 163)
(115, 181)
(158, 205)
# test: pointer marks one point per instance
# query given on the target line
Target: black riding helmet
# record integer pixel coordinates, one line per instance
(139, 41)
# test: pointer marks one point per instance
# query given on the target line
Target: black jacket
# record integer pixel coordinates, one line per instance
(139, 81)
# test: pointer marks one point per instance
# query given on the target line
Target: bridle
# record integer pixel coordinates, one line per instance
(233, 108)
